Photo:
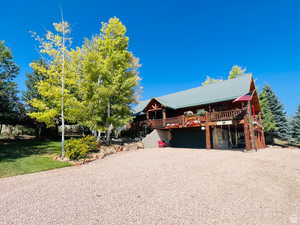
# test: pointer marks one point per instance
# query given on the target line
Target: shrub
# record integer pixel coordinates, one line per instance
(90, 141)
(76, 149)
(79, 148)
(28, 131)
(201, 112)
(188, 113)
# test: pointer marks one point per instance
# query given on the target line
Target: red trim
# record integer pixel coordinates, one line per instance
(244, 98)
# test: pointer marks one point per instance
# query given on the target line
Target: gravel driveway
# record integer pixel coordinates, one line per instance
(160, 186)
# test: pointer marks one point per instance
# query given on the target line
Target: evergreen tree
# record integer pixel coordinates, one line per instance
(9, 104)
(295, 127)
(31, 93)
(274, 116)
(31, 82)
(268, 117)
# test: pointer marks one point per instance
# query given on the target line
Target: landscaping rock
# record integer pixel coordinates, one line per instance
(140, 145)
(107, 150)
(118, 148)
(132, 146)
(104, 151)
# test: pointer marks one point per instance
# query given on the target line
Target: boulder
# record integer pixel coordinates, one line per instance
(130, 147)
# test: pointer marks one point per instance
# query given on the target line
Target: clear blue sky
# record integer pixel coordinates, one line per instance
(179, 43)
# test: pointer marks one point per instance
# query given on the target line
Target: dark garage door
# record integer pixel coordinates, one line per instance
(188, 138)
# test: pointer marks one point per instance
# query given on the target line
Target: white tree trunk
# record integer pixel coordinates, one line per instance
(62, 96)
(98, 136)
(109, 126)
(108, 133)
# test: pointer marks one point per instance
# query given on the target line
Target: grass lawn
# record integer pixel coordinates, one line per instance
(28, 156)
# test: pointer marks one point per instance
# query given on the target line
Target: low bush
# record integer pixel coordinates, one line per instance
(76, 149)
(90, 141)
(79, 148)
(201, 112)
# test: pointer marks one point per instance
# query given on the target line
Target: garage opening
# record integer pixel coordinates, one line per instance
(188, 138)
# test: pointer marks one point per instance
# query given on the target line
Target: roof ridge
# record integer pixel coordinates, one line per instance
(230, 79)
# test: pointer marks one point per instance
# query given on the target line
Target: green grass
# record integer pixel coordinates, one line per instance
(28, 156)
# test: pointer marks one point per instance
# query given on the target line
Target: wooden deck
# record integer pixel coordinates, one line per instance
(252, 125)
(195, 120)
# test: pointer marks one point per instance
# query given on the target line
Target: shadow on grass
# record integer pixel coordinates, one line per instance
(12, 150)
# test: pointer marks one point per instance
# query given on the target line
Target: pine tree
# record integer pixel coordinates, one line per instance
(274, 115)
(9, 102)
(268, 117)
(32, 92)
(295, 127)
(31, 82)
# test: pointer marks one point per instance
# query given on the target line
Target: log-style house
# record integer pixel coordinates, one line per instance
(221, 115)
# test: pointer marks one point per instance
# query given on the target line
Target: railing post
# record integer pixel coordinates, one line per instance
(207, 116)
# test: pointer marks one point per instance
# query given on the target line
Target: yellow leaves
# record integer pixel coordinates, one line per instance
(210, 80)
(114, 27)
(74, 109)
(50, 89)
(103, 72)
(41, 69)
(46, 116)
(237, 71)
(62, 27)
(38, 104)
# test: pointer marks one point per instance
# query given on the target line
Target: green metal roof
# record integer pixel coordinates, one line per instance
(211, 93)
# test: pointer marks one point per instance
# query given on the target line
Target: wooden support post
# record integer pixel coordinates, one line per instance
(207, 137)
(247, 136)
(263, 138)
(251, 129)
(164, 115)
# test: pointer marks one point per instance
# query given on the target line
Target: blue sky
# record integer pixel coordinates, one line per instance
(179, 43)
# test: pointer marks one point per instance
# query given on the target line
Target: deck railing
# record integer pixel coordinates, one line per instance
(227, 115)
(187, 121)
(174, 120)
(158, 123)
